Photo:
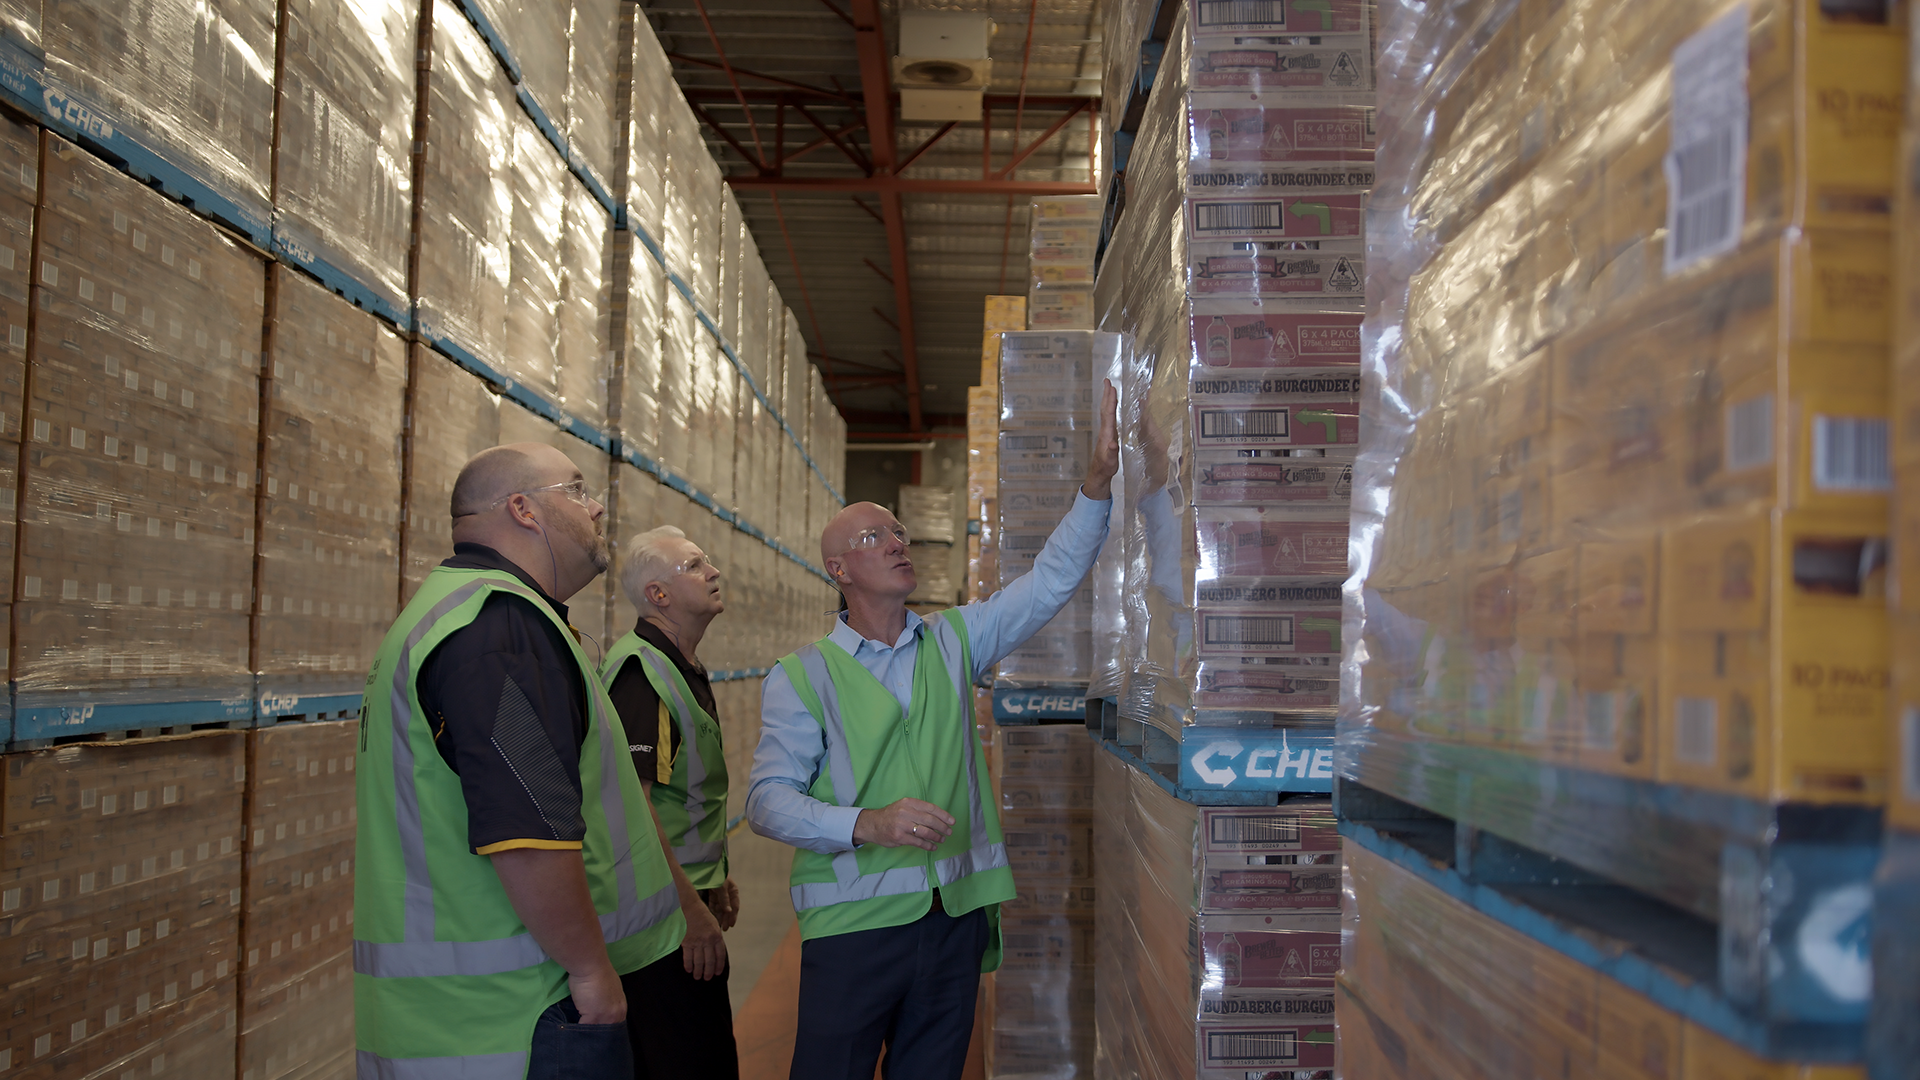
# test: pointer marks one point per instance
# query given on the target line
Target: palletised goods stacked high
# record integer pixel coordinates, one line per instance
(1047, 426)
(1636, 403)
(1062, 232)
(1622, 500)
(1218, 933)
(1250, 170)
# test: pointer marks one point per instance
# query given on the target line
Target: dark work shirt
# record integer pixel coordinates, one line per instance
(648, 724)
(509, 711)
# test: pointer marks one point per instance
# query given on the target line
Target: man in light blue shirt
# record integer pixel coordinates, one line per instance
(910, 985)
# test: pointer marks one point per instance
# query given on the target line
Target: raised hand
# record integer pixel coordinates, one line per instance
(1106, 448)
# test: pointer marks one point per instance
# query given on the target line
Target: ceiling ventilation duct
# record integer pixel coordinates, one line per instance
(942, 68)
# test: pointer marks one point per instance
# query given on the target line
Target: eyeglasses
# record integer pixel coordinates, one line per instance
(698, 566)
(572, 489)
(878, 536)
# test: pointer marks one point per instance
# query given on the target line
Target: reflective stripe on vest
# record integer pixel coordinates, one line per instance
(419, 954)
(691, 849)
(371, 1066)
(850, 884)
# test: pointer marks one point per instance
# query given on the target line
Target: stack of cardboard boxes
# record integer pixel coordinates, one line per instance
(1248, 176)
(330, 500)
(1063, 233)
(1039, 1005)
(1642, 508)
(137, 520)
(296, 932)
(121, 904)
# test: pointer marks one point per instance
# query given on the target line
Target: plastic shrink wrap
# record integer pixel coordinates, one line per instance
(1239, 293)
(296, 926)
(330, 498)
(343, 183)
(1429, 985)
(120, 876)
(1039, 1004)
(593, 59)
(467, 195)
(1623, 483)
(1218, 933)
(1893, 1037)
(1063, 233)
(1047, 425)
(193, 83)
(137, 515)
(19, 192)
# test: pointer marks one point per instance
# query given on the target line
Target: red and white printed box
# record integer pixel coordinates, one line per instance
(1237, 1052)
(1300, 826)
(1254, 542)
(1267, 213)
(1211, 17)
(1267, 618)
(1273, 271)
(1227, 127)
(1228, 336)
(1270, 478)
(1261, 62)
(1269, 952)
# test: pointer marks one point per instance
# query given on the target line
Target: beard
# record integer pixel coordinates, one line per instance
(591, 540)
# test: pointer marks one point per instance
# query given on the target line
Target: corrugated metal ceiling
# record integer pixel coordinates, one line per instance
(828, 251)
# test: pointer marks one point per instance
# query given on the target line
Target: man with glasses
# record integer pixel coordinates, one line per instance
(869, 765)
(506, 875)
(682, 1020)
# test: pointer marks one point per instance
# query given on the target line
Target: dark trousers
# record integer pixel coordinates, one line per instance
(566, 1049)
(681, 1027)
(911, 988)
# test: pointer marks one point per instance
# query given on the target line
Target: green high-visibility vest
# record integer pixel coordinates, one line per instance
(447, 981)
(875, 756)
(692, 804)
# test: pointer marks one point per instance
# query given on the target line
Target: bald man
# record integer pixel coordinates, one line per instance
(509, 873)
(868, 764)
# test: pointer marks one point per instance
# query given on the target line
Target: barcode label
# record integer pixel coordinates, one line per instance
(1022, 541)
(1850, 454)
(1243, 423)
(1597, 733)
(1750, 433)
(1023, 442)
(1228, 1048)
(1910, 749)
(1242, 13)
(1695, 735)
(1252, 830)
(1249, 630)
(1706, 163)
(1239, 217)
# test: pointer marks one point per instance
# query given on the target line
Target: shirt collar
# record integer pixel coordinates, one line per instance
(851, 640)
(471, 556)
(656, 637)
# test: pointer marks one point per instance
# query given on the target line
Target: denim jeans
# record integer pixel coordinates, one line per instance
(566, 1049)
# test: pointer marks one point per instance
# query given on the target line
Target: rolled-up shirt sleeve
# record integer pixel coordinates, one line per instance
(1004, 621)
(788, 759)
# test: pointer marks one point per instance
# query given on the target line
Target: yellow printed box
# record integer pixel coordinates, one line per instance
(1773, 667)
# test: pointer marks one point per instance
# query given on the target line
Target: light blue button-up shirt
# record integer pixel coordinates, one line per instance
(792, 745)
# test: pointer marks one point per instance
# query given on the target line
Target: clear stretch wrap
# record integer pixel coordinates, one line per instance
(330, 513)
(19, 191)
(733, 237)
(1239, 292)
(645, 94)
(453, 417)
(191, 82)
(535, 33)
(796, 479)
(584, 346)
(1219, 933)
(927, 512)
(343, 189)
(1047, 425)
(123, 866)
(1039, 1004)
(593, 56)
(640, 503)
(538, 180)
(1122, 30)
(679, 343)
(296, 930)
(1623, 485)
(1062, 234)
(137, 509)
(467, 192)
(1904, 595)
(1429, 979)
(640, 314)
(1108, 580)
